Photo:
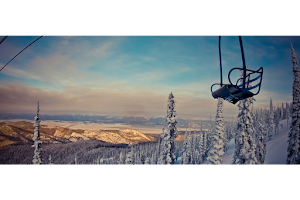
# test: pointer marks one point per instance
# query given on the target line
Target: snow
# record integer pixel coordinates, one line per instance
(277, 147)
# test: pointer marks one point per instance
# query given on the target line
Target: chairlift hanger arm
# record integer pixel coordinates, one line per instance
(244, 62)
(220, 58)
(243, 58)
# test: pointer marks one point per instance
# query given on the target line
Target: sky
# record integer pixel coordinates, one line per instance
(134, 75)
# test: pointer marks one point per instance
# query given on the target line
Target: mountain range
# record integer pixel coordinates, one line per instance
(22, 132)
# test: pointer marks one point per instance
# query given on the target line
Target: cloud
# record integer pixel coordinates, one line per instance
(56, 69)
(20, 98)
(67, 61)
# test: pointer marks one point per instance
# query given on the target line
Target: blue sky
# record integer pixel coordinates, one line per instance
(133, 75)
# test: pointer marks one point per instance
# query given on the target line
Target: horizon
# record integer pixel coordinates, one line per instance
(133, 75)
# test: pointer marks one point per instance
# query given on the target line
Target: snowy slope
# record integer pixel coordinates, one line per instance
(276, 148)
(228, 157)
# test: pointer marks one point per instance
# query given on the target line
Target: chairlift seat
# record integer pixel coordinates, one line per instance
(232, 93)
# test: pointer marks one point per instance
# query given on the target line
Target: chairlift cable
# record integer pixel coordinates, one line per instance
(21, 51)
(4, 37)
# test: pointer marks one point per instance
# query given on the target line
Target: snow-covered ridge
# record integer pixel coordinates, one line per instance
(53, 133)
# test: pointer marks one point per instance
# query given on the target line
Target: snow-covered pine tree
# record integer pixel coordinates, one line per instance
(75, 160)
(138, 160)
(97, 161)
(283, 112)
(153, 159)
(186, 155)
(245, 144)
(193, 148)
(37, 158)
(157, 152)
(200, 151)
(271, 121)
(208, 137)
(288, 115)
(129, 157)
(167, 153)
(50, 160)
(293, 141)
(261, 150)
(122, 158)
(255, 124)
(226, 140)
(216, 152)
(204, 133)
(147, 161)
(277, 117)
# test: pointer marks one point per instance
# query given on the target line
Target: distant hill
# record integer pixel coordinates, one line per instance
(22, 132)
(128, 120)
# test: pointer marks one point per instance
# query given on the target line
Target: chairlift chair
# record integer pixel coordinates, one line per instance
(241, 90)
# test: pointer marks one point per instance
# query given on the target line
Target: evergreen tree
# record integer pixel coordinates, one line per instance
(153, 159)
(216, 152)
(147, 161)
(245, 145)
(271, 122)
(288, 115)
(138, 160)
(50, 160)
(193, 148)
(226, 140)
(129, 157)
(277, 120)
(186, 155)
(75, 160)
(293, 141)
(283, 112)
(157, 152)
(204, 133)
(200, 152)
(261, 150)
(167, 154)
(37, 159)
(122, 158)
(255, 124)
(208, 137)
